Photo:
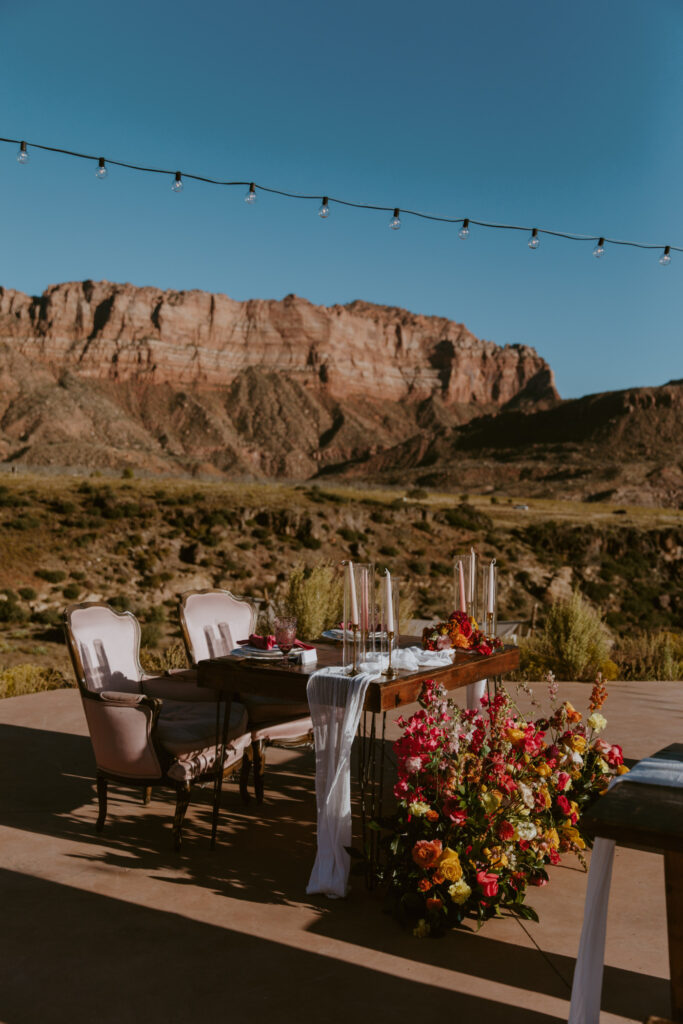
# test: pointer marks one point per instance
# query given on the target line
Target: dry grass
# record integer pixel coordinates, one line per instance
(21, 679)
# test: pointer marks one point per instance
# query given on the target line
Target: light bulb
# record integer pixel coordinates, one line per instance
(395, 221)
(177, 185)
(665, 258)
(22, 155)
(324, 210)
(101, 171)
(534, 240)
(464, 231)
(250, 197)
(599, 249)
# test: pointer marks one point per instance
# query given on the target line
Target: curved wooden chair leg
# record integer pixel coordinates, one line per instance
(102, 799)
(244, 779)
(147, 797)
(259, 751)
(183, 790)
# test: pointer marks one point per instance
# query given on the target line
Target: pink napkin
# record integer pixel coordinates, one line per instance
(267, 643)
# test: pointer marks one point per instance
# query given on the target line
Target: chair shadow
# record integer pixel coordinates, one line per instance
(264, 855)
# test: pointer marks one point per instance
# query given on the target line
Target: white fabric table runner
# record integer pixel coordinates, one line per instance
(587, 984)
(336, 702)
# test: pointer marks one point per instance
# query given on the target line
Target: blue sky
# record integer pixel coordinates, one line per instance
(562, 115)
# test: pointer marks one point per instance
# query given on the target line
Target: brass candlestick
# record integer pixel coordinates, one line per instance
(390, 672)
(354, 670)
(489, 625)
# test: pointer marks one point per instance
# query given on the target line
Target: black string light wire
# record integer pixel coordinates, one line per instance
(465, 223)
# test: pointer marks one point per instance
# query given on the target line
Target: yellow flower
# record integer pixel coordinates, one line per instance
(496, 857)
(492, 801)
(459, 891)
(514, 736)
(546, 796)
(623, 770)
(574, 806)
(449, 865)
(597, 722)
(552, 838)
(542, 769)
(419, 809)
(578, 743)
(572, 834)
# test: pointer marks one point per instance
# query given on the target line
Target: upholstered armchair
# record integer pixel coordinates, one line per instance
(145, 730)
(212, 622)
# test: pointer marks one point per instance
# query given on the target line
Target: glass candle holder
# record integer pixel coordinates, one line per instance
(466, 584)
(389, 610)
(359, 589)
(489, 622)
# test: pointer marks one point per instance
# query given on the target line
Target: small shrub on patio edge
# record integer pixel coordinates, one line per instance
(575, 643)
(21, 679)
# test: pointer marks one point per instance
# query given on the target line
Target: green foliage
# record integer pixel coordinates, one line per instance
(10, 609)
(27, 593)
(574, 644)
(150, 634)
(656, 655)
(21, 679)
(467, 517)
(158, 662)
(50, 575)
(71, 591)
(315, 596)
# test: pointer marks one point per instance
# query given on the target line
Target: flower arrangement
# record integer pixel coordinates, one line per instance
(485, 801)
(460, 631)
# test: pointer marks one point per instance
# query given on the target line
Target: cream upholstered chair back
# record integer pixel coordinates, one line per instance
(104, 645)
(213, 621)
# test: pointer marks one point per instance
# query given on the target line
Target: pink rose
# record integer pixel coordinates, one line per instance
(601, 748)
(488, 882)
(615, 756)
(563, 780)
(413, 765)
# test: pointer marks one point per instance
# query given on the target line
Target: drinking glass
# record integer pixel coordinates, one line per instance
(285, 635)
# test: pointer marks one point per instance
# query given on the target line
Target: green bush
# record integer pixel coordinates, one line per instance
(656, 655)
(574, 644)
(467, 517)
(157, 662)
(27, 593)
(315, 597)
(71, 591)
(150, 634)
(51, 575)
(21, 679)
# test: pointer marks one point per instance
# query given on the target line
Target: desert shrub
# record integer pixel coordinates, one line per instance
(418, 567)
(389, 551)
(150, 634)
(418, 493)
(27, 593)
(20, 679)
(51, 575)
(49, 617)
(467, 517)
(315, 596)
(171, 657)
(654, 655)
(121, 602)
(71, 591)
(574, 644)
(10, 609)
(425, 527)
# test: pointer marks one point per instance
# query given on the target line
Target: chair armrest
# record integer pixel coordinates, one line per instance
(122, 727)
(179, 686)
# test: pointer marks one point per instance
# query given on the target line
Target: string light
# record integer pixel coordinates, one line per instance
(101, 172)
(324, 210)
(395, 223)
(599, 249)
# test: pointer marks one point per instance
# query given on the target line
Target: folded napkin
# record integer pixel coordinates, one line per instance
(267, 643)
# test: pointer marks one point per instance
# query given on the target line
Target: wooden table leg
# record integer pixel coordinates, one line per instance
(673, 880)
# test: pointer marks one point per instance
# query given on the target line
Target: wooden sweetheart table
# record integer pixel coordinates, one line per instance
(232, 675)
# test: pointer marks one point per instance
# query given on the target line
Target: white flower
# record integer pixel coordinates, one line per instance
(597, 722)
(459, 891)
(526, 794)
(413, 764)
(525, 830)
(418, 808)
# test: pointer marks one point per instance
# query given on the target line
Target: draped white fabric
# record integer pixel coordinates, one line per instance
(475, 691)
(587, 984)
(410, 659)
(336, 702)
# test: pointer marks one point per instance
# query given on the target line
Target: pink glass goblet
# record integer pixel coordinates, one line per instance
(285, 635)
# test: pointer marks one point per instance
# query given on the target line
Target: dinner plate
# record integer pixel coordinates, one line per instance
(258, 652)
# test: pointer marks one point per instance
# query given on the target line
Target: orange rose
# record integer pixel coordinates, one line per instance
(426, 853)
(424, 885)
(434, 903)
(438, 877)
(432, 815)
(572, 714)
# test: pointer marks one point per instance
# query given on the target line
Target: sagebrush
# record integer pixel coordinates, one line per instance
(574, 644)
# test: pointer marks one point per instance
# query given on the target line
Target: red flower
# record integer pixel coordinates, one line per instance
(505, 831)
(564, 805)
(426, 853)
(424, 885)
(488, 882)
(562, 780)
(434, 903)
(615, 756)
(453, 811)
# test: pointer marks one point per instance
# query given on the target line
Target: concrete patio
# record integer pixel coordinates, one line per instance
(117, 927)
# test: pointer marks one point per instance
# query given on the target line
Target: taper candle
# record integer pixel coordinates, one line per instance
(492, 587)
(353, 599)
(461, 587)
(389, 603)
